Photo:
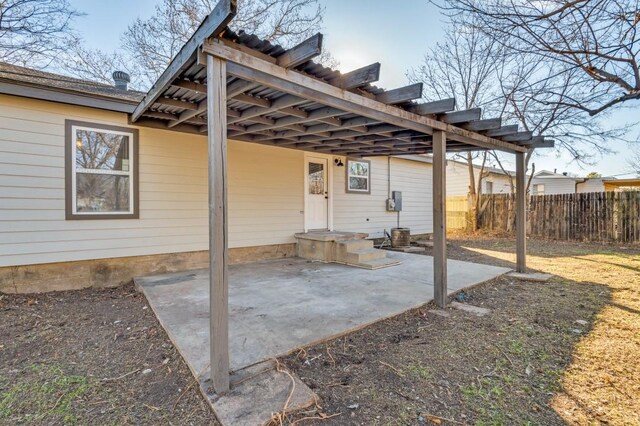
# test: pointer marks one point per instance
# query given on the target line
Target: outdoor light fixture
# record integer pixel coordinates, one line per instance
(338, 162)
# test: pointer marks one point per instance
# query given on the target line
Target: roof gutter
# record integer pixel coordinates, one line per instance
(45, 93)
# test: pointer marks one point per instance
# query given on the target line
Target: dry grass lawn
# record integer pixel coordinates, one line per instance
(563, 352)
(602, 382)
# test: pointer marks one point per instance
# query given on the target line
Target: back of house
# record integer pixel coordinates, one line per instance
(87, 199)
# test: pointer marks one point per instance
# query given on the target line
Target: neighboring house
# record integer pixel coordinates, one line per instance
(608, 184)
(612, 184)
(590, 185)
(546, 183)
(79, 183)
(495, 181)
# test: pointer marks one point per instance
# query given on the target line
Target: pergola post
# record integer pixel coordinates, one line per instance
(521, 213)
(439, 218)
(218, 271)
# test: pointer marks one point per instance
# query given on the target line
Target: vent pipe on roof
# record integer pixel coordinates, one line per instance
(121, 79)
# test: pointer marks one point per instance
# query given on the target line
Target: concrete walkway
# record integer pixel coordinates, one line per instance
(278, 306)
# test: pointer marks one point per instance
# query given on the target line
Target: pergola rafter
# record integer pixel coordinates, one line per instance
(237, 86)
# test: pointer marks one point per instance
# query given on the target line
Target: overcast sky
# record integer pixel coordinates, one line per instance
(357, 33)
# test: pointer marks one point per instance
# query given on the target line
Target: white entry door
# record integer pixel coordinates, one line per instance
(316, 207)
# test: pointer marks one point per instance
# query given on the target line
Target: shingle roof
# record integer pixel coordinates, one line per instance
(47, 80)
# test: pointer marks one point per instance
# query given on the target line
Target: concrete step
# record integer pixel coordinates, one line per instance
(377, 263)
(343, 248)
(353, 245)
(365, 255)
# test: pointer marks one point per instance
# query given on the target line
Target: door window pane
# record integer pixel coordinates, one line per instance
(316, 178)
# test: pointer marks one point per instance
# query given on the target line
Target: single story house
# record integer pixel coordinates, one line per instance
(238, 145)
(494, 181)
(79, 183)
(548, 183)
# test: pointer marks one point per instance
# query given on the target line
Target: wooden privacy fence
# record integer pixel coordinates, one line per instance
(457, 212)
(593, 216)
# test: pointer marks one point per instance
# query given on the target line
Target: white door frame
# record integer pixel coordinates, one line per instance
(329, 177)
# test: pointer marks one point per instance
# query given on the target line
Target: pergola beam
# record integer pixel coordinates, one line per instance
(479, 125)
(358, 78)
(436, 107)
(401, 94)
(303, 52)
(518, 137)
(251, 68)
(217, 20)
(463, 116)
(278, 104)
(177, 103)
(547, 143)
(191, 86)
(503, 131)
(240, 86)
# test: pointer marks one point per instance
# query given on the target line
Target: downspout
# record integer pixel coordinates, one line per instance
(578, 183)
(388, 177)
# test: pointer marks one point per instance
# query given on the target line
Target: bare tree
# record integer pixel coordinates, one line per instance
(148, 45)
(98, 65)
(463, 67)
(633, 163)
(536, 92)
(594, 42)
(32, 32)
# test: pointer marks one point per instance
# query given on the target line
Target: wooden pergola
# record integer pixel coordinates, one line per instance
(229, 85)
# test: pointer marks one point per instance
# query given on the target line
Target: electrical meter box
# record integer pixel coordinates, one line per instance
(394, 204)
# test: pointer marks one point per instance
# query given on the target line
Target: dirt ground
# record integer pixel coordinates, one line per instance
(562, 352)
(93, 357)
(548, 353)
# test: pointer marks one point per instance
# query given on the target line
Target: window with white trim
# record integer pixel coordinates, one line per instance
(538, 189)
(358, 176)
(101, 171)
(488, 187)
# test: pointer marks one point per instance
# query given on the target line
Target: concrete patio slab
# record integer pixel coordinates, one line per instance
(254, 401)
(278, 306)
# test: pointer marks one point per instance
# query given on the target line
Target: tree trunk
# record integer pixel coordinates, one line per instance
(472, 198)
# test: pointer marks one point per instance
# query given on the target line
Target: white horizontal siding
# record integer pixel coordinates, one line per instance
(367, 212)
(591, 185)
(265, 185)
(500, 183)
(458, 180)
(556, 185)
(266, 201)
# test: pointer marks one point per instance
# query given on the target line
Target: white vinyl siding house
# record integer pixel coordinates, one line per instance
(591, 185)
(266, 185)
(33, 228)
(367, 212)
(458, 179)
(554, 183)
